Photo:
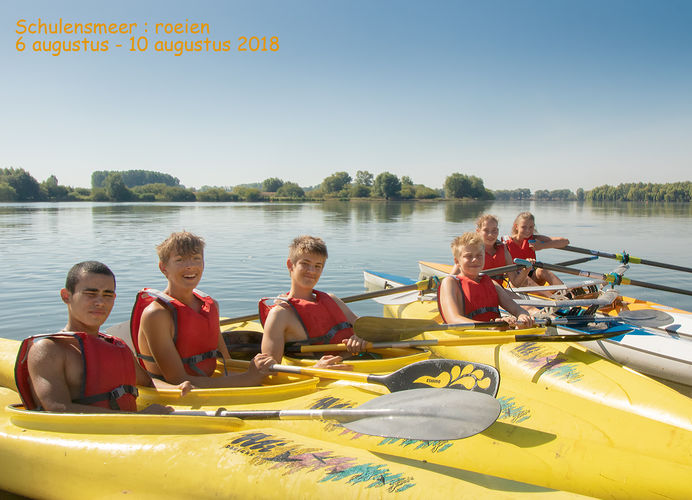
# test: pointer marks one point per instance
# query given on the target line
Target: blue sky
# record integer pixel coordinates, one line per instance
(538, 94)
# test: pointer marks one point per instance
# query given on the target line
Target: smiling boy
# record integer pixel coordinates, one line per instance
(176, 333)
(306, 315)
(471, 297)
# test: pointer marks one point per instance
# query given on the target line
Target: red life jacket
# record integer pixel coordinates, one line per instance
(323, 320)
(109, 371)
(480, 298)
(523, 251)
(497, 260)
(196, 335)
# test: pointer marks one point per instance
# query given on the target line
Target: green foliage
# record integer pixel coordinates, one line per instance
(272, 184)
(408, 192)
(406, 181)
(580, 194)
(178, 193)
(555, 195)
(364, 178)
(290, 190)
(216, 194)
(360, 191)
(132, 178)
(387, 185)
(336, 182)
(426, 193)
(463, 186)
(7, 192)
(247, 194)
(26, 188)
(115, 187)
(99, 194)
(513, 194)
(52, 191)
(675, 191)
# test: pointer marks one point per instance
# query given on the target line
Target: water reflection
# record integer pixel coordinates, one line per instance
(664, 209)
(461, 211)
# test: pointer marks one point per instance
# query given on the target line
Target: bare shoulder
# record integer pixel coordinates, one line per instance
(155, 312)
(46, 349)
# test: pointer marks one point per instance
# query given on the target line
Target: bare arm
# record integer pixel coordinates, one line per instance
(157, 327)
(354, 344)
(542, 242)
(49, 366)
(452, 302)
(508, 304)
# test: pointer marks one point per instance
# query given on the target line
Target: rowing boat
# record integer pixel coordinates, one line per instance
(655, 339)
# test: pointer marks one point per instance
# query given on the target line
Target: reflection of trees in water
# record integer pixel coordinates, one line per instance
(126, 213)
(337, 211)
(641, 209)
(462, 211)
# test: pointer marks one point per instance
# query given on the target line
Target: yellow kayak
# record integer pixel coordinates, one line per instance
(172, 456)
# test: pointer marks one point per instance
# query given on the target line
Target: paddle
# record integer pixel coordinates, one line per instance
(478, 340)
(420, 414)
(448, 373)
(625, 258)
(423, 285)
(613, 278)
(375, 329)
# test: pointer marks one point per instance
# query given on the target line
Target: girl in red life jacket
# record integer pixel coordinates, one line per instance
(523, 244)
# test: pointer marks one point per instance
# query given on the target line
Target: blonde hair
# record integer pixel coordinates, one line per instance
(182, 243)
(469, 239)
(306, 245)
(485, 218)
(522, 216)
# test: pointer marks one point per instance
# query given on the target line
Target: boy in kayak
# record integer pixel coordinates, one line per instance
(176, 333)
(523, 243)
(81, 370)
(306, 315)
(469, 297)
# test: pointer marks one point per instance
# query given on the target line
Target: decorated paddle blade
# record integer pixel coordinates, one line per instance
(442, 373)
(428, 414)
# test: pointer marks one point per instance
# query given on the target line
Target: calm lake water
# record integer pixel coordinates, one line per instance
(247, 247)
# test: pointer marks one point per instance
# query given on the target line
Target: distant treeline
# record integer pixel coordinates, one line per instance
(16, 184)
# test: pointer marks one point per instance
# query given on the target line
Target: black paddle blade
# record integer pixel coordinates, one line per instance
(442, 373)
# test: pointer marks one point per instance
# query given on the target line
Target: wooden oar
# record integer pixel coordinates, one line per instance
(613, 278)
(625, 258)
(477, 340)
(420, 414)
(450, 373)
(427, 284)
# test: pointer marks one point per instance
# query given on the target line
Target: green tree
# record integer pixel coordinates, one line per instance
(580, 194)
(406, 181)
(291, 190)
(457, 186)
(335, 182)
(115, 187)
(426, 193)
(387, 185)
(360, 191)
(25, 186)
(51, 190)
(132, 178)
(7, 192)
(272, 184)
(364, 178)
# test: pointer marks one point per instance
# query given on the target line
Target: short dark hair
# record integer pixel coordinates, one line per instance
(88, 266)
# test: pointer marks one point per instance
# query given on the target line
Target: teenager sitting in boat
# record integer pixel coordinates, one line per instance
(523, 244)
(305, 315)
(468, 296)
(176, 332)
(81, 370)
(496, 253)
